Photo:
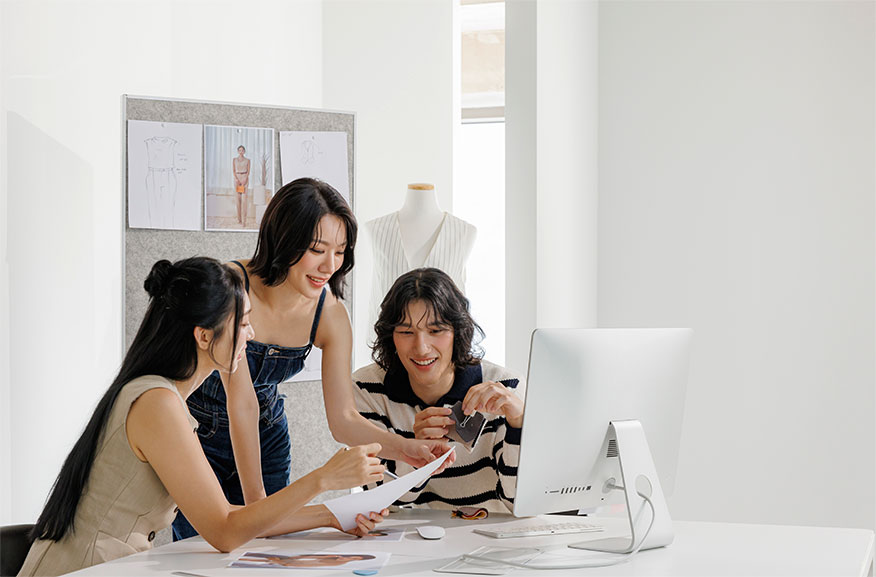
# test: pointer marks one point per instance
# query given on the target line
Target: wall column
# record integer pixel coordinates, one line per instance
(551, 114)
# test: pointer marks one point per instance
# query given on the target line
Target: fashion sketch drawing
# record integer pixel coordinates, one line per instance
(164, 175)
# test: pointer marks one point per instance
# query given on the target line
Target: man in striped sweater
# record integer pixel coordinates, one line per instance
(424, 363)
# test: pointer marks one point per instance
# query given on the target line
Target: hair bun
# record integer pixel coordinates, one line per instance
(157, 281)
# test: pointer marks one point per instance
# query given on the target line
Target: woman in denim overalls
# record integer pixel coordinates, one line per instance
(306, 241)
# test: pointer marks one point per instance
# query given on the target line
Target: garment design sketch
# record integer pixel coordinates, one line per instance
(160, 181)
(309, 152)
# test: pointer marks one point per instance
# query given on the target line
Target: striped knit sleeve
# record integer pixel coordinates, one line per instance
(378, 409)
(506, 450)
(506, 456)
(371, 406)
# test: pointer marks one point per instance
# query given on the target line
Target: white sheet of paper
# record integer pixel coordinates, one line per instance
(347, 507)
(321, 155)
(164, 175)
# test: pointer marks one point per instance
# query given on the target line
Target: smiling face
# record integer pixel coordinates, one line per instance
(425, 349)
(324, 256)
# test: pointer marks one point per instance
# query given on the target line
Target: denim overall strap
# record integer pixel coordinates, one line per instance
(245, 276)
(316, 317)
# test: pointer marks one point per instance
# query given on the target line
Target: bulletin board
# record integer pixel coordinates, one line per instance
(144, 246)
(312, 442)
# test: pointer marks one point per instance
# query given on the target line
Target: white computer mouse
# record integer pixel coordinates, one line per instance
(430, 532)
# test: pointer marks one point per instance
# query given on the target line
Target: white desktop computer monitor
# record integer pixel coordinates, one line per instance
(603, 410)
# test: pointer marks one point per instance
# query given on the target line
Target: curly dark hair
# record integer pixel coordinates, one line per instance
(448, 305)
(290, 225)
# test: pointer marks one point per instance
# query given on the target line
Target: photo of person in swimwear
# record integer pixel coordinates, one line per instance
(241, 167)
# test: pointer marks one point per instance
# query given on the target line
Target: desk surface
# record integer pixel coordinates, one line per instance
(699, 549)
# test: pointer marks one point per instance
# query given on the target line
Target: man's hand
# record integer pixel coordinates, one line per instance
(420, 452)
(496, 399)
(432, 423)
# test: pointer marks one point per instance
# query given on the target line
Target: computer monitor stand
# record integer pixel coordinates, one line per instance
(637, 475)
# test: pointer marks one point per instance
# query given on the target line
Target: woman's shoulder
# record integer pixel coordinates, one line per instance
(335, 327)
(133, 390)
(240, 267)
(136, 388)
(334, 308)
(146, 382)
(235, 265)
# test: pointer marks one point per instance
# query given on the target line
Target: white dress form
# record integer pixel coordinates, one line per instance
(419, 234)
(419, 222)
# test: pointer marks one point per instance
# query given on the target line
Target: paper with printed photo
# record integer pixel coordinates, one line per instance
(347, 507)
(348, 560)
(238, 176)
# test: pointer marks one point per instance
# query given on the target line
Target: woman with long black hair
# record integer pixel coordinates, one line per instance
(138, 454)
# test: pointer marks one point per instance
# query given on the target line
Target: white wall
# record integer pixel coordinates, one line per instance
(521, 180)
(64, 67)
(391, 61)
(567, 162)
(551, 114)
(737, 197)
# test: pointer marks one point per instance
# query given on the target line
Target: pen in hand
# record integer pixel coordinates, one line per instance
(388, 472)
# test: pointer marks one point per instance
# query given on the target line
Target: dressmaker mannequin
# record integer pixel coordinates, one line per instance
(419, 222)
(419, 234)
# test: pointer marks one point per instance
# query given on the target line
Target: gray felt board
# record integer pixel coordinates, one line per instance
(312, 443)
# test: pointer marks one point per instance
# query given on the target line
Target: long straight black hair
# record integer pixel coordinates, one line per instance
(194, 292)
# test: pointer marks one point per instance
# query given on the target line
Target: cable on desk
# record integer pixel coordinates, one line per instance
(624, 559)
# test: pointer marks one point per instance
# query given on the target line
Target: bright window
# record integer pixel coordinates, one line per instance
(479, 198)
(479, 193)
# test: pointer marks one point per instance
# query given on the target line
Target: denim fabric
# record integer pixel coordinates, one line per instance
(275, 447)
(269, 365)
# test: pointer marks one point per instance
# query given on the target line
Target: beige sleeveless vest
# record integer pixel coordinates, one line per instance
(124, 503)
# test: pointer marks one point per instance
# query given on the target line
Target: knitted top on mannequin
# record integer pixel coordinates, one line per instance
(419, 221)
(419, 234)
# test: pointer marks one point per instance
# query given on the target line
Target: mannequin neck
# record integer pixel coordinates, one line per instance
(421, 204)
(419, 221)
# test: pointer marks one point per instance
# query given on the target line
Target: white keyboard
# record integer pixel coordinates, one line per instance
(539, 530)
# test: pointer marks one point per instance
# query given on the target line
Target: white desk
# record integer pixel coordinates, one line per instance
(699, 549)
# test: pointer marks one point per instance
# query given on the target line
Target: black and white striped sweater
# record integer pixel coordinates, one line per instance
(485, 477)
